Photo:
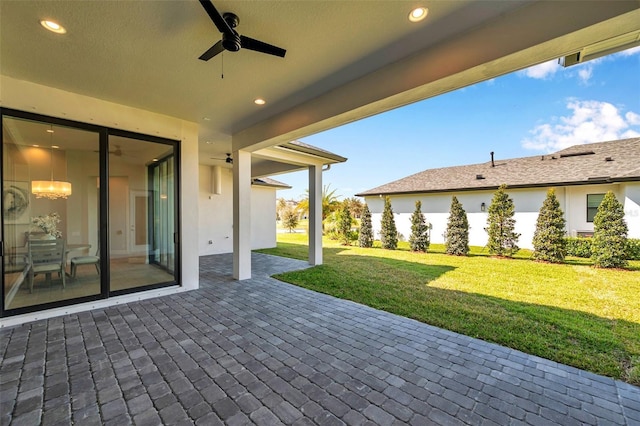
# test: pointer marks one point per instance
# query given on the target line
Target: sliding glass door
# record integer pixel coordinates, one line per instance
(49, 213)
(141, 213)
(88, 212)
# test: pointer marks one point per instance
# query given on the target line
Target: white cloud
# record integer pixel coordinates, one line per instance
(590, 121)
(585, 73)
(632, 118)
(542, 71)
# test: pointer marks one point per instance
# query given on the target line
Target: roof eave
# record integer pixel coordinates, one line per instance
(517, 186)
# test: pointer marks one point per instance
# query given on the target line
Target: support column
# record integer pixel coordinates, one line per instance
(315, 215)
(241, 215)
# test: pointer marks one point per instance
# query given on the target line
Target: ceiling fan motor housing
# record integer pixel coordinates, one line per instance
(231, 19)
(231, 42)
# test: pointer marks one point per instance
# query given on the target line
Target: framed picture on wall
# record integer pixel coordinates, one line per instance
(15, 202)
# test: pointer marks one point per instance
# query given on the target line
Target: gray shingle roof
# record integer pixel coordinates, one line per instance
(612, 161)
(265, 181)
(299, 146)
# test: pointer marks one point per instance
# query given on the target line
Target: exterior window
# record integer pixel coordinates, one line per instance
(593, 201)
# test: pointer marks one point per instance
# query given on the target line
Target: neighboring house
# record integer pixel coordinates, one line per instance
(581, 175)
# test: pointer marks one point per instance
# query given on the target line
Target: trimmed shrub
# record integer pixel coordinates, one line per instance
(609, 242)
(502, 237)
(578, 246)
(548, 239)
(581, 247)
(343, 227)
(419, 239)
(457, 234)
(633, 248)
(365, 239)
(388, 230)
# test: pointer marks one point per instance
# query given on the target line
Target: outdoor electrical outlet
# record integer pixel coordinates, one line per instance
(210, 241)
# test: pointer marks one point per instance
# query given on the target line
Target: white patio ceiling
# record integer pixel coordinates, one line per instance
(345, 59)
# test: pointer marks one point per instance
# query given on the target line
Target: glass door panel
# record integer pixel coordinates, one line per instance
(50, 193)
(139, 225)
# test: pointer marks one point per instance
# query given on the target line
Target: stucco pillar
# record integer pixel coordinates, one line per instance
(315, 215)
(241, 215)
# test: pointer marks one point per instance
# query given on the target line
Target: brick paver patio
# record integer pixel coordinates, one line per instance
(264, 352)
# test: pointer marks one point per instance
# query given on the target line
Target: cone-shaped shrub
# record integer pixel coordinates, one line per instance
(419, 238)
(549, 243)
(388, 230)
(344, 225)
(365, 239)
(608, 246)
(457, 235)
(501, 224)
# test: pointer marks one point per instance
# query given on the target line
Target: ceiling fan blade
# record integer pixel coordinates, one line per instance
(213, 51)
(215, 16)
(260, 46)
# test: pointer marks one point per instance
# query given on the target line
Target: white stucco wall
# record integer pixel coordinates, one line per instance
(31, 97)
(215, 223)
(631, 192)
(263, 217)
(573, 201)
(436, 210)
(576, 212)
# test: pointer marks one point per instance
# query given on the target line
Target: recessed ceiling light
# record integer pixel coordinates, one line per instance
(55, 146)
(259, 101)
(418, 14)
(208, 142)
(53, 26)
(36, 146)
(206, 118)
(49, 130)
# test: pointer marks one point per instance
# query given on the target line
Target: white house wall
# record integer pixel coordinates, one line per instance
(573, 201)
(631, 193)
(576, 212)
(215, 221)
(263, 217)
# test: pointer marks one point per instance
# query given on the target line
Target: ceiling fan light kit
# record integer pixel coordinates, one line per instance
(231, 40)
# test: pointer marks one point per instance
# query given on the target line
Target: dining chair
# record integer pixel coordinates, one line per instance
(85, 260)
(46, 257)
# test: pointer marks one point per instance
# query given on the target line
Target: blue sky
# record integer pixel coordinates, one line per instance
(538, 110)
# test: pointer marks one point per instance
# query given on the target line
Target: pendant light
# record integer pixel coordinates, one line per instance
(51, 189)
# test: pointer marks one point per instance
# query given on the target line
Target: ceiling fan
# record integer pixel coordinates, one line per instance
(227, 160)
(231, 40)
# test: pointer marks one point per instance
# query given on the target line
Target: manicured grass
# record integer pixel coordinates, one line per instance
(571, 313)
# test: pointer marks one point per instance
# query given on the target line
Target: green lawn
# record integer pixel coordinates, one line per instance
(572, 313)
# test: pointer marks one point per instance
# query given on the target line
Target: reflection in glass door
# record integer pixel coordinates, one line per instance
(50, 216)
(141, 213)
(162, 182)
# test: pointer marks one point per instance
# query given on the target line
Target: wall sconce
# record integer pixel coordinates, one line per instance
(483, 207)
